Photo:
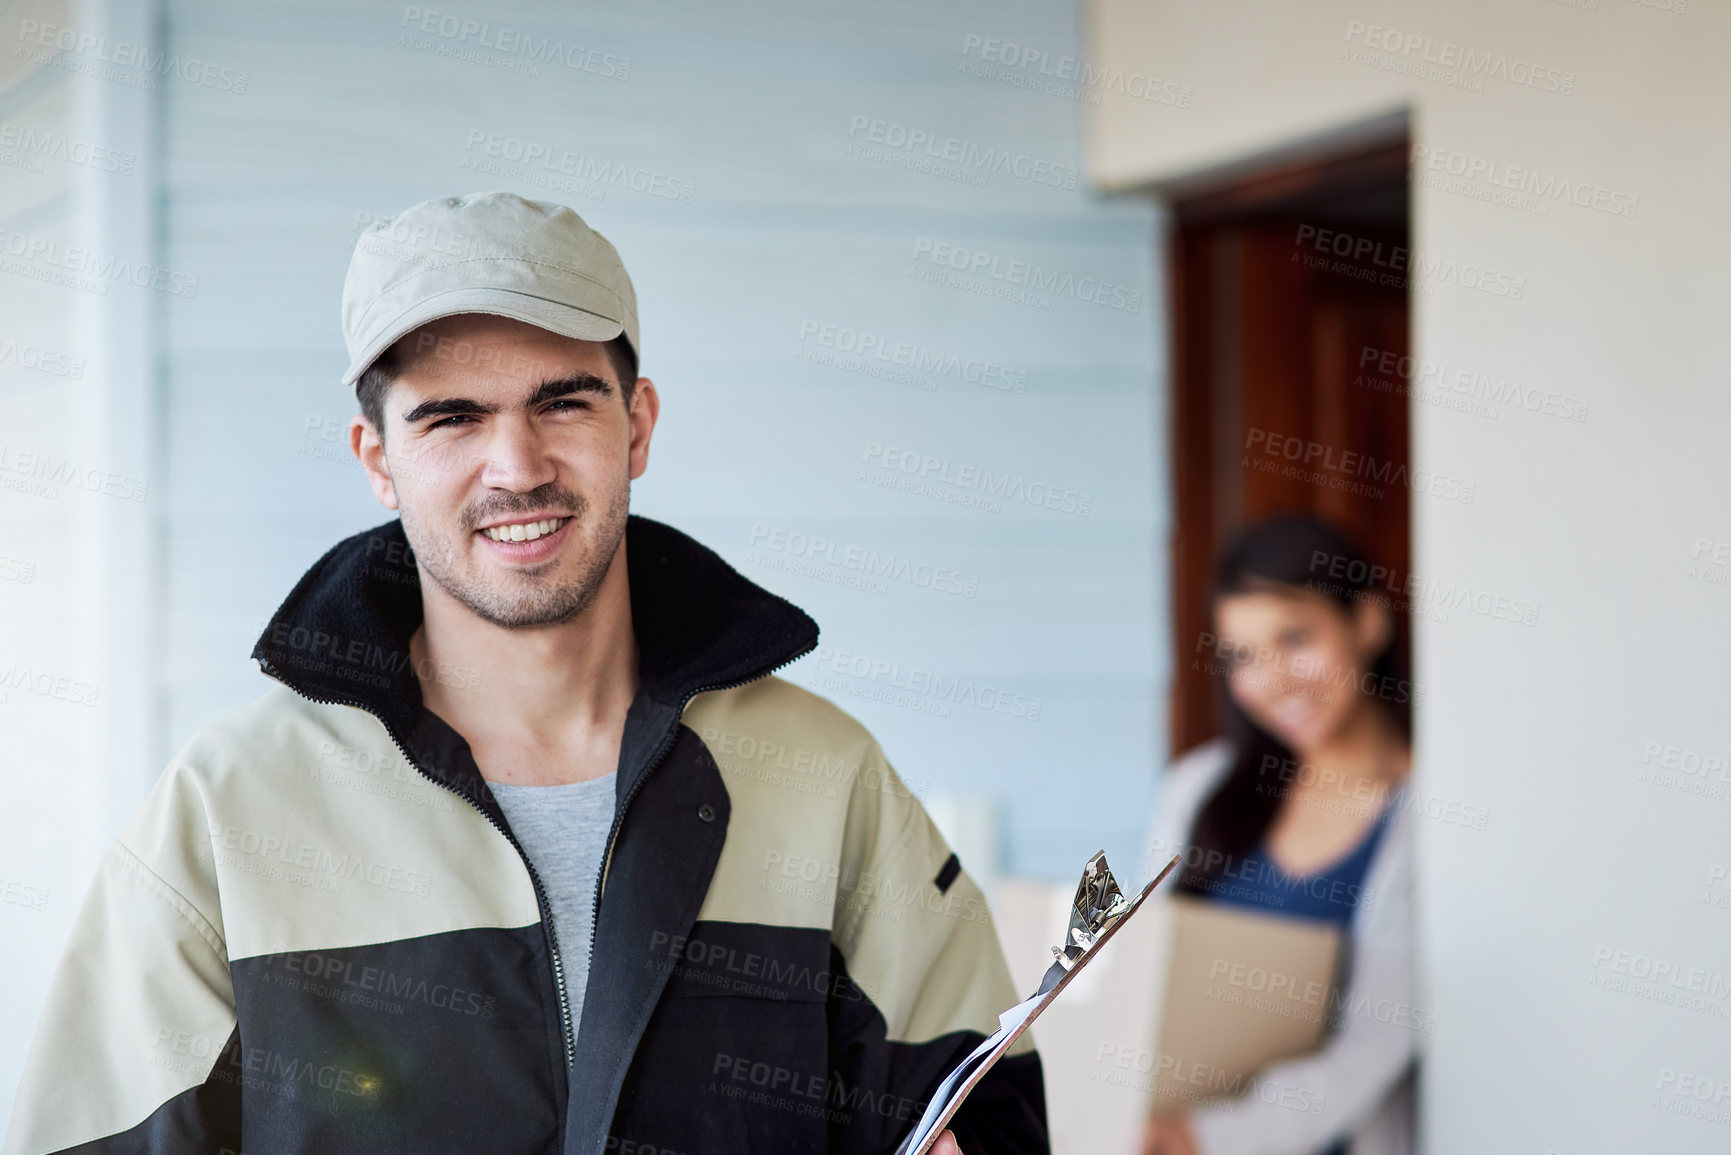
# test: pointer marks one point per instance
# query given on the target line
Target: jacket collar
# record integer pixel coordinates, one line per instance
(342, 634)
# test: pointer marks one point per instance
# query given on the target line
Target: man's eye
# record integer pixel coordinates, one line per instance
(448, 420)
(568, 403)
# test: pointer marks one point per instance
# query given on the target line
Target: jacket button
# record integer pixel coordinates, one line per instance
(706, 812)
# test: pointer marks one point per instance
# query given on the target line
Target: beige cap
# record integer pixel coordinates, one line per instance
(490, 252)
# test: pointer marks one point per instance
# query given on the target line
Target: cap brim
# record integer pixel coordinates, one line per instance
(565, 320)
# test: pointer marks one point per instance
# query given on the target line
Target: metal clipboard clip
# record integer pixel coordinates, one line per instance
(1099, 903)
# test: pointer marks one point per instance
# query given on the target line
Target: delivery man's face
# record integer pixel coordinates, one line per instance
(509, 453)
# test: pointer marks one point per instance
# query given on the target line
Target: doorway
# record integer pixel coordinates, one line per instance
(1289, 330)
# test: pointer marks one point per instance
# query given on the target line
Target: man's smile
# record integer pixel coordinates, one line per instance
(527, 540)
(524, 530)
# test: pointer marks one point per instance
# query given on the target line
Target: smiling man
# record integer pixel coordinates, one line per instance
(529, 850)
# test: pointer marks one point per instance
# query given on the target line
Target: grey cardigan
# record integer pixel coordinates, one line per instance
(1364, 1072)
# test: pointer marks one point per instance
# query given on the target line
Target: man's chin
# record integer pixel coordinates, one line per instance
(528, 613)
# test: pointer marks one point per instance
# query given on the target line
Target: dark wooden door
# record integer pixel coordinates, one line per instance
(1290, 326)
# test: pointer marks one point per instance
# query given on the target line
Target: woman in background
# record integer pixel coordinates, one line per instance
(1298, 811)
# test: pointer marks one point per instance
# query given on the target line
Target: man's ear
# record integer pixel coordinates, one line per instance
(369, 450)
(645, 408)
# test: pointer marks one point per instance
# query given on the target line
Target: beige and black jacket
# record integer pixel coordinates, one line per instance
(319, 935)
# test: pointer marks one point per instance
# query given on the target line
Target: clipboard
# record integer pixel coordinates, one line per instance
(1099, 909)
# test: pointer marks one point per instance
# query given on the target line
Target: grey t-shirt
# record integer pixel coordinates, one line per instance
(563, 830)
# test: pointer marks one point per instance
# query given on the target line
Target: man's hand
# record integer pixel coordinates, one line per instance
(946, 1145)
(1169, 1136)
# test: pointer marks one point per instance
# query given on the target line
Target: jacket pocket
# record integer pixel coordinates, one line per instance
(736, 1055)
(436, 1043)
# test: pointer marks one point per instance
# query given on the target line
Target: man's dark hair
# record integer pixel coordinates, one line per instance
(376, 380)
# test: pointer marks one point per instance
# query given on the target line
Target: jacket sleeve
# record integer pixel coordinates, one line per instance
(1298, 1106)
(925, 979)
(134, 1050)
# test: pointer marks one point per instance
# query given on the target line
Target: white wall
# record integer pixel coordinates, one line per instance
(1584, 859)
(76, 501)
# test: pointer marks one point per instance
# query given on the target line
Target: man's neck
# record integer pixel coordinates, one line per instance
(538, 706)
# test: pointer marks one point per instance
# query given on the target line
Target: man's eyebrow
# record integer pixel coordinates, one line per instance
(544, 392)
(565, 386)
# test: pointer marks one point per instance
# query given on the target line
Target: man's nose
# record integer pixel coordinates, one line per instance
(516, 458)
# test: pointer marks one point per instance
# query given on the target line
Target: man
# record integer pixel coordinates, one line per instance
(529, 850)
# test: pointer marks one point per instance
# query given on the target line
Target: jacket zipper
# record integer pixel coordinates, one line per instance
(660, 753)
(541, 902)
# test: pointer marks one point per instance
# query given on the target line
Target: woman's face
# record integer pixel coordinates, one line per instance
(1298, 660)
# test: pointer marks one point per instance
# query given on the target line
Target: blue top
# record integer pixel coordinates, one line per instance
(1330, 895)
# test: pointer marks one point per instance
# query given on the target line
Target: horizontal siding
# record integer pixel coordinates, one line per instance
(787, 229)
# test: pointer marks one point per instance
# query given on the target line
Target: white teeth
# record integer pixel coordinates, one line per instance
(524, 530)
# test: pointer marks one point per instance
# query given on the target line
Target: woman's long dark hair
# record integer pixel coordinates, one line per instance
(1299, 553)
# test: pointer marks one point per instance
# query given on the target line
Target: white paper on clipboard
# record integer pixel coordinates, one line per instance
(1090, 911)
